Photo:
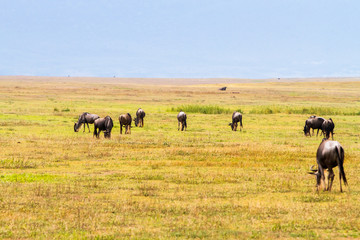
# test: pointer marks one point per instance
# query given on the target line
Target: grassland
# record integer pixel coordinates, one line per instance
(207, 182)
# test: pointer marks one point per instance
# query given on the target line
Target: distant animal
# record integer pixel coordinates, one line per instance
(314, 123)
(103, 124)
(327, 128)
(236, 117)
(329, 155)
(85, 118)
(182, 120)
(125, 120)
(222, 89)
(139, 119)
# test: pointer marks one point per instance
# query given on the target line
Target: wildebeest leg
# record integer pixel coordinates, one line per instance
(121, 128)
(330, 178)
(317, 132)
(95, 132)
(88, 127)
(332, 135)
(178, 125)
(182, 126)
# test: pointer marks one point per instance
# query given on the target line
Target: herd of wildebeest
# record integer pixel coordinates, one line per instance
(329, 154)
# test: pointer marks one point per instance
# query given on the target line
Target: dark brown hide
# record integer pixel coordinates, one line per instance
(236, 117)
(314, 123)
(139, 119)
(103, 124)
(85, 118)
(329, 155)
(327, 128)
(182, 120)
(125, 120)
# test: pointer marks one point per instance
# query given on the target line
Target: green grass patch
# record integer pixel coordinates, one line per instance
(204, 109)
(318, 111)
(24, 177)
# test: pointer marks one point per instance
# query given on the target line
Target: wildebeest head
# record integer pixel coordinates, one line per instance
(306, 130)
(136, 121)
(76, 129)
(232, 126)
(316, 173)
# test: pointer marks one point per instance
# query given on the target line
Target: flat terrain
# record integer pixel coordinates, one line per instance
(207, 182)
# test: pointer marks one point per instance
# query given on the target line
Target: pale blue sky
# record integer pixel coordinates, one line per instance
(180, 38)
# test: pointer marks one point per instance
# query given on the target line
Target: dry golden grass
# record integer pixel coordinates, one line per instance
(207, 182)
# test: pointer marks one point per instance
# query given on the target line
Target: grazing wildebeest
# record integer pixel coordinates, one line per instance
(103, 124)
(222, 89)
(85, 118)
(125, 120)
(314, 123)
(329, 155)
(327, 128)
(139, 119)
(182, 120)
(236, 117)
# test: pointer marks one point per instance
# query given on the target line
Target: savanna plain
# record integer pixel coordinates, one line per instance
(160, 183)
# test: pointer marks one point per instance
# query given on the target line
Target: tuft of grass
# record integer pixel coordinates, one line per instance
(14, 163)
(204, 109)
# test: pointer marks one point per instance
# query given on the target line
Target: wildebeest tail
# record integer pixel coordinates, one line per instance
(340, 159)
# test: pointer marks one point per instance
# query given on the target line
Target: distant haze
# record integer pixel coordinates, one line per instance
(180, 38)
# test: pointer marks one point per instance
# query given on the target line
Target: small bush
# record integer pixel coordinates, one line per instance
(56, 109)
(66, 110)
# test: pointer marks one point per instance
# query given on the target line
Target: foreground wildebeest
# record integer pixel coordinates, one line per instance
(222, 89)
(327, 128)
(236, 117)
(139, 119)
(329, 155)
(182, 120)
(125, 120)
(85, 118)
(103, 124)
(314, 123)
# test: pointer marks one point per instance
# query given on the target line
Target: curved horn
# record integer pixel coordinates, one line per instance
(312, 168)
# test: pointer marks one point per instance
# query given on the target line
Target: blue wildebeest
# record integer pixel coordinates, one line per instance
(85, 118)
(329, 155)
(125, 120)
(139, 119)
(182, 120)
(236, 117)
(314, 123)
(327, 128)
(103, 124)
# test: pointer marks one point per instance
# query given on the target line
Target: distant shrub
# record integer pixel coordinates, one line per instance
(56, 109)
(66, 110)
(205, 109)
